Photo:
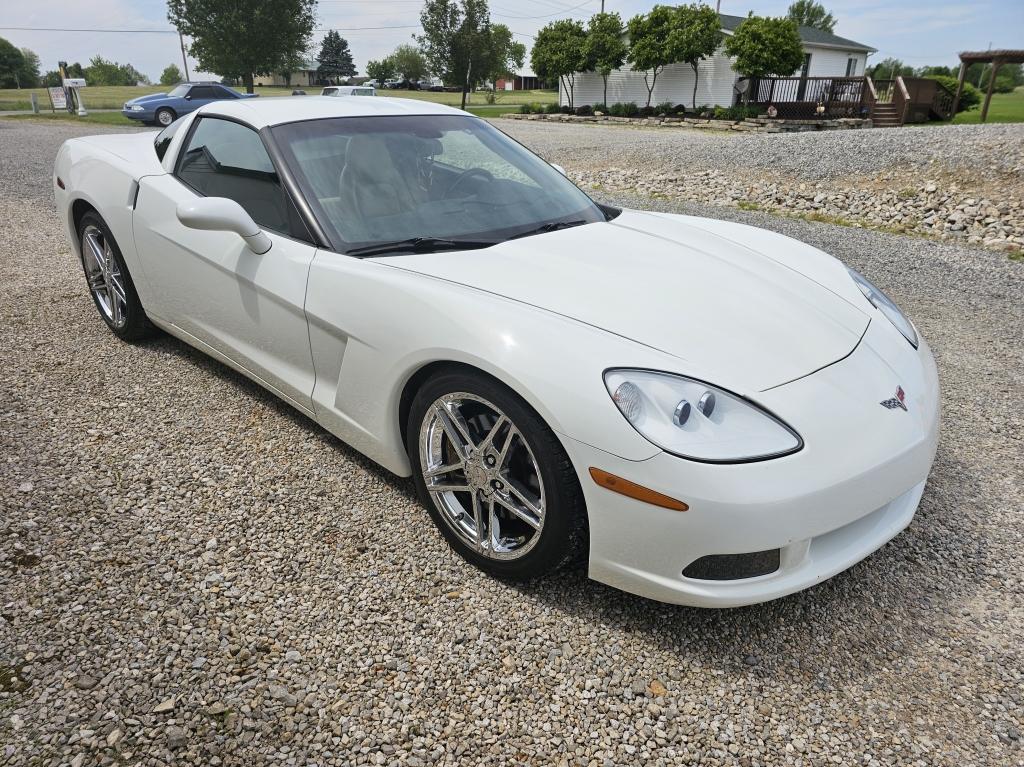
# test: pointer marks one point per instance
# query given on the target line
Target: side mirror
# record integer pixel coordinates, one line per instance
(219, 214)
(188, 97)
(559, 168)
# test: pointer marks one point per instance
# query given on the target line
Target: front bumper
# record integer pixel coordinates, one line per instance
(856, 484)
(147, 115)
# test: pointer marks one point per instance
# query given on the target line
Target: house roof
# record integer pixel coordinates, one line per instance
(808, 35)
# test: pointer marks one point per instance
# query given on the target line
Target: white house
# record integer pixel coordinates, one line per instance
(826, 55)
(303, 77)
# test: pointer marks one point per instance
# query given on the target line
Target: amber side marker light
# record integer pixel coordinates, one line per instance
(60, 182)
(633, 490)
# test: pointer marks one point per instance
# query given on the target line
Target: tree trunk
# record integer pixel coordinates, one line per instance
(247, 79)
(650, 88)
(694, 65)
(604, 96)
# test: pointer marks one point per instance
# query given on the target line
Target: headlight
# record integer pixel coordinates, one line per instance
(694, 420)
(885, 305)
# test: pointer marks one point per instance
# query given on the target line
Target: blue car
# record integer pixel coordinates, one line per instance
(165, 108)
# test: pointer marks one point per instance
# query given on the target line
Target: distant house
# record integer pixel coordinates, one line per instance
(300, 78)
(523, 80)
(825, 55)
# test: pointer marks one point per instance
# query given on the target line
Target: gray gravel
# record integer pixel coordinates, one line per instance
(965, 149)
(192, 573)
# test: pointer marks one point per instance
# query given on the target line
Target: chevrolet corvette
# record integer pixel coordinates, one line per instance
(706, 413)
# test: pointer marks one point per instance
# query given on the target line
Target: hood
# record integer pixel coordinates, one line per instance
(146, 99)
(733, 314)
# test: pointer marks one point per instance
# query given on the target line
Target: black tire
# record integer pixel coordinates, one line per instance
(563, 536)
(165, 116)
(135, 325)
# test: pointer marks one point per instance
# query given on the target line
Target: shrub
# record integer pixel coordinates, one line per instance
(665, 108)
(720, 113)
(565, 109)
(600, 108)
(630, 109)
(679, 109)
(585, 111)
(526, 109)
(617, 110)
(969, 98)
(552, 109)
(646, 112)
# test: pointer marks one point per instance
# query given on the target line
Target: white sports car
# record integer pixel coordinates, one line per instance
(709, 413)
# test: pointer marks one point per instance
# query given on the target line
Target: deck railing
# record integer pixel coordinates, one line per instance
(807, 97)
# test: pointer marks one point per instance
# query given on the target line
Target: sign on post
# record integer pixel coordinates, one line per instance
(58, 98)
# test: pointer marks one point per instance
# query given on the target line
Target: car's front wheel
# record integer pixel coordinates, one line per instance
(494, 477)
(164, 116)
(109, 282)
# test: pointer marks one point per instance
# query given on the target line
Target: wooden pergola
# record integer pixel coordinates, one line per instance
(996, 59)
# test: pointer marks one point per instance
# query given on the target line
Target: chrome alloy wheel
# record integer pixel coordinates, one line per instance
(104, 276)
(482, 476)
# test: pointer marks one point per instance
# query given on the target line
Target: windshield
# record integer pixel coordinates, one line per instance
(179, 91)
(374, 180)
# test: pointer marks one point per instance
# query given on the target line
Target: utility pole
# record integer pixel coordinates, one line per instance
(184, 60)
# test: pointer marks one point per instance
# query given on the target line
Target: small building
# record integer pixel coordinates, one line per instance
(825, 55)
(303, 77)
(523, 80)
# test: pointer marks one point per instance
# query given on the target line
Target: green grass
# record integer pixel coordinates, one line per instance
(1005, 108)
(95, 118)
(113, 96)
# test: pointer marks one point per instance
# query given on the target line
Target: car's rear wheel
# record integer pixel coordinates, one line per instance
(494, 477)
(109, 282)
(165, 116)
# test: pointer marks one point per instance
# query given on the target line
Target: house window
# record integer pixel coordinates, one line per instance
(851, 67)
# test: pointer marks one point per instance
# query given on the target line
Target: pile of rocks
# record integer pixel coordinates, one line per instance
(925, 208)
(750, 125)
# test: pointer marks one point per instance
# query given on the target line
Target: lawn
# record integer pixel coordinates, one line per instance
(95, 118)
(113, 96)
(1005, 108)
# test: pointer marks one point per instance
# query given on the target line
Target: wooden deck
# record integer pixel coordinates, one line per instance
(889, 103)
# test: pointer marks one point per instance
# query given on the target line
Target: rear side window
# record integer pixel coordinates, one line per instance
(203, 92)
(226, 159)
(163, 138)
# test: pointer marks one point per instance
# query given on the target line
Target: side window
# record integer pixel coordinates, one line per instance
(226, 159)
(224, 93)
(203, 92)
(163, 139)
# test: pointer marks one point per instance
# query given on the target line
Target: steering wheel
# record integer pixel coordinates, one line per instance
(468, 173)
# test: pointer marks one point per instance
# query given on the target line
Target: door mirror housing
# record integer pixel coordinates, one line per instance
(558, 167)
(219, 214)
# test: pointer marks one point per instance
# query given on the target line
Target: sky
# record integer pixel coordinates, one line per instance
(917, 31)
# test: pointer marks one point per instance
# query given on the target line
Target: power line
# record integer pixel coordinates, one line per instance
(544, 16)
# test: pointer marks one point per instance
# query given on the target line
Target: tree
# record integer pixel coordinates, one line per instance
(381, 70)
(408, 62)
(889, 69)
(243, 38)
(293, 64)
(696, 35)
(807, 13)
(103, 72)
(171, 75)
(559, 52)
(763, 47)
(649, 44)
(51, 79)
(335, 57)
(28, 75)
(455, 41)
(11, 63)
(507, 55)
(606, 48)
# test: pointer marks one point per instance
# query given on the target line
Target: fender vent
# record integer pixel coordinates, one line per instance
(731, 567)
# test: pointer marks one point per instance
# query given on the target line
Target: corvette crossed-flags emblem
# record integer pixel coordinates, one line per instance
(899, 401)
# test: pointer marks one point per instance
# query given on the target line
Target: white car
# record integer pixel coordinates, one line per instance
(349, 90)
(711, 414)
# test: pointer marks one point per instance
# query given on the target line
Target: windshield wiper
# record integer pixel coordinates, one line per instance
(418, 245)
(551, 226)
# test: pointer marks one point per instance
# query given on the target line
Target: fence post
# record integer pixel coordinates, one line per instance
(35, 103)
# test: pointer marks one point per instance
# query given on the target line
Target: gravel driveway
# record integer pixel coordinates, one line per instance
(192, 573)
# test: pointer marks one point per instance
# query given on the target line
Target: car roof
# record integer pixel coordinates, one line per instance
(276, 110)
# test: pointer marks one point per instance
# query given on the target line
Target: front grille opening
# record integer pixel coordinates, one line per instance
(732, 567)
